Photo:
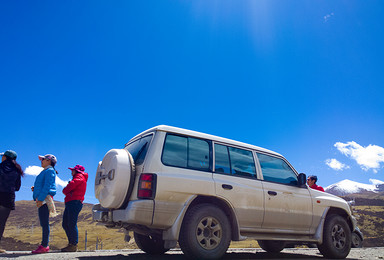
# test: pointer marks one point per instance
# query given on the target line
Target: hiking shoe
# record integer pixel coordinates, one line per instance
(41, 250)
(69, 248)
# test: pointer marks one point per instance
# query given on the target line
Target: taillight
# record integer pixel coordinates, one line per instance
(147, 186)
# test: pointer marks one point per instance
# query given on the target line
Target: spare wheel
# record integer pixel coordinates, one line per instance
(115, 178)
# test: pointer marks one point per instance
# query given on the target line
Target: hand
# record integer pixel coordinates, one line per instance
(39, 203)
(32, 188)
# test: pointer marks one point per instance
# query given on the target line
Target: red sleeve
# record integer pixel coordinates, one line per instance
(77, 179)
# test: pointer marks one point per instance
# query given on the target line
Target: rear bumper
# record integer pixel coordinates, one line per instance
(137, 212)
(101, 214)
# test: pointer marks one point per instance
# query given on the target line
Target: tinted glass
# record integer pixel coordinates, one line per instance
(175, 151)
(198, 153)
(222, 164)
(139, 148)
(242, 162)
(276, 170)
(186, 152)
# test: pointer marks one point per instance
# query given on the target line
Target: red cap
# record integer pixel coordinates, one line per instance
(78, 168)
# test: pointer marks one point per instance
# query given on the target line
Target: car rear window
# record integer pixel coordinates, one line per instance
(138, 149)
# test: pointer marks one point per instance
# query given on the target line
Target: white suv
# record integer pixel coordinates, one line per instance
(172, 185)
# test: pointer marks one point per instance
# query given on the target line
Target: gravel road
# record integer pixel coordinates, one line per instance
(243, 253)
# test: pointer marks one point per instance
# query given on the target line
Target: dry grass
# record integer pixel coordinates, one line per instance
(249, 243)
(27, 229)
(23, 225)
(370, 220)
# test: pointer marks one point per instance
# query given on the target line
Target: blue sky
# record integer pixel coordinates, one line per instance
(302, 78)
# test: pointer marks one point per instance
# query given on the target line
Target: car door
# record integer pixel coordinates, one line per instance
(288, 207)
(236, 181)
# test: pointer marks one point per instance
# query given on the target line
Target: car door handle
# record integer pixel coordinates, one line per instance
(227, 187)
(272, 193)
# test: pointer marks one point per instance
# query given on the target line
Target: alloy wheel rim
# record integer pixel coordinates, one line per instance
(355, 241)
(338, 237)
(209, 233)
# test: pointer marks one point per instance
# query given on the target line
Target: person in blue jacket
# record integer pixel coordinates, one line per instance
(45, 184)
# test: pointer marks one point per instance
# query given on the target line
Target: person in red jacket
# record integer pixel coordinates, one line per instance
(311, 181)
(74, 196)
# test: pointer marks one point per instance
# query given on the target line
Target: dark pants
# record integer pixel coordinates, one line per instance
(44, 223)
(71, 213)
(4, 214)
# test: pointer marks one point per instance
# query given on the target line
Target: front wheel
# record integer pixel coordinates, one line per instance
(153, 245)
(336, 238)
(205, 233)
(271, 246)
(356, 241)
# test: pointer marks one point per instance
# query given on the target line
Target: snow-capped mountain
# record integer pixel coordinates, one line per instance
(346, 187)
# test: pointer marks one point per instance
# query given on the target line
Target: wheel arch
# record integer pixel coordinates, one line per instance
(360, 235)
(225, 207)
(173, 233)
(342, 213)
(326, 214)
(335, 245)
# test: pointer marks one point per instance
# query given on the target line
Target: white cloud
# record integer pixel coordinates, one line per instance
(35, 170)
(327, 17)
(336, 165)
(368, 157)
(60, 182)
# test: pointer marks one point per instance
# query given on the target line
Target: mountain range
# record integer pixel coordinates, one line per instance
(347, 187)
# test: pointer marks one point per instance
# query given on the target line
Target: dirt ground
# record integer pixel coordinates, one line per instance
(244, 253)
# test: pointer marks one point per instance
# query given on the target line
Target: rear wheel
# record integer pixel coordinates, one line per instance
(153, 245)
(336, 238)
(205, 233)
(271, 246)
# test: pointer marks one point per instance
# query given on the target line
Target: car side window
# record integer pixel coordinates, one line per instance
(235, 161)
(186, 152)
(242, 162)
(222, 164)
(276, 170)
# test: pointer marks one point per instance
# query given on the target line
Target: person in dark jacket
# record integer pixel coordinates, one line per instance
(10, 181)
(74, 196)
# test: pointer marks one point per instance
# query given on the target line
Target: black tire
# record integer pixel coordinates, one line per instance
(271, 246)
(205, 233)
(153, 245)
(356, 241)
(336, 238)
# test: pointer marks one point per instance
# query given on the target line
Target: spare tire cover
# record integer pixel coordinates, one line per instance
(113, 178)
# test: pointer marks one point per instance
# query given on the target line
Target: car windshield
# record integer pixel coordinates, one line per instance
(138, 149)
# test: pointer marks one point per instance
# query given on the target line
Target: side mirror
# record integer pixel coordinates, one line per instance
(302, 179)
